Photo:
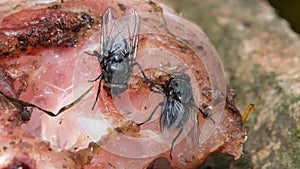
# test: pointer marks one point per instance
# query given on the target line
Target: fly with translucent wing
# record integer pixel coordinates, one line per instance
(177, 107)
(118, 48)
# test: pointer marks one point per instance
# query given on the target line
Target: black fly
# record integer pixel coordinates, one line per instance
(118, 47)
(177, 106)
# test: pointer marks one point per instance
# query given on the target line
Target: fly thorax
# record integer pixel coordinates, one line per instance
(117, 58)
(117, 73)
(176, 95)
(117, 67)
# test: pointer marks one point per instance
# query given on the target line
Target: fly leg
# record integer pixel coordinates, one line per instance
(100, 57)
(97, 54)
(146, 79)
(173, 142)
(100, 76)
(149, 118)
(158, 86)
(98, 90)
(205, 114)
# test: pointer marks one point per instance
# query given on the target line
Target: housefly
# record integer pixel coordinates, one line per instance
(118, 48)
(177, 107)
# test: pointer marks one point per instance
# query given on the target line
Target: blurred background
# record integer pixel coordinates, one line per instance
(290, 10)
(287, 9)
(264, 77)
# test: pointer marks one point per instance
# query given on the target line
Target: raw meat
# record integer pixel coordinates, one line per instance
(43, 61)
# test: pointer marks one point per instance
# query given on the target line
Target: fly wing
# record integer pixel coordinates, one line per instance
(134, 32)
(107, 25)
(132, 20)
(172, 115)
(120, 33)
(194, 133)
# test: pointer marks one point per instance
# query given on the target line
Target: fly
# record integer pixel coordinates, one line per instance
(118, 48)
(177, 107)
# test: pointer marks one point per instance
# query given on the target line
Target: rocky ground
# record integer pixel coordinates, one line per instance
(261, 56)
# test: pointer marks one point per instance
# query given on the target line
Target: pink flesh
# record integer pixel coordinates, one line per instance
(55, 74)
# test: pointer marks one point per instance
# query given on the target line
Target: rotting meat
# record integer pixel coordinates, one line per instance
(42, 60)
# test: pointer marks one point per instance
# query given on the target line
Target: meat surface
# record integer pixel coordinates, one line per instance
(43, 61)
